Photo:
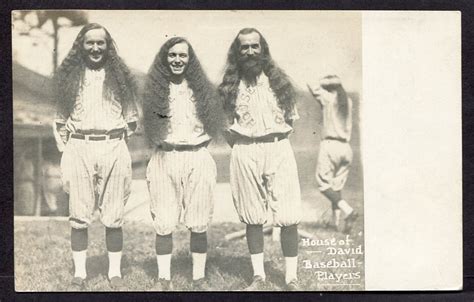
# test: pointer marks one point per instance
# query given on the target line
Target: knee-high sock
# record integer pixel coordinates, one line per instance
(79, 242)
(164, 248)
(254, 234)
(289, 246)
(199, 254)
(114, 243)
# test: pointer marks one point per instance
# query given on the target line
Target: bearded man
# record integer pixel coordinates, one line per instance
(182, 114)
(260, 103)
(96, 111)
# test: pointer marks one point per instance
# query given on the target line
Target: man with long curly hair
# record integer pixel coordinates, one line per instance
(259, 100)
(181, 115)
(96, 111)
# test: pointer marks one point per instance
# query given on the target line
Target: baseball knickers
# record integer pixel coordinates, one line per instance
(181, 186)
(262, 176)
(96, 171)
(334, 160)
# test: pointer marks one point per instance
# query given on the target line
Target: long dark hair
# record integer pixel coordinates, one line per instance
(67, 79)
(157, 90)
(279, 81)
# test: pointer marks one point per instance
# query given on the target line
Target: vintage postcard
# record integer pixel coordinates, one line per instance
(236, 150)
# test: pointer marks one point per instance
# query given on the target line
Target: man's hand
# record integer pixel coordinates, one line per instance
(63, 133)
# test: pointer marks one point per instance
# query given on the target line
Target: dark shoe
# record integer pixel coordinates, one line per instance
(258, 284)
(118, 284)
(77, 285)
(162, 285)
(349, 221)
(293, 286)
(200, 285)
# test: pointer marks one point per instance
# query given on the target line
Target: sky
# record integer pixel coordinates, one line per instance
(306, 44)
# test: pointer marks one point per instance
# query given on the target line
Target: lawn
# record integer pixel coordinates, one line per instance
(43, 259)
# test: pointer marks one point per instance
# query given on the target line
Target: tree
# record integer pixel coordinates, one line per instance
(28, 20)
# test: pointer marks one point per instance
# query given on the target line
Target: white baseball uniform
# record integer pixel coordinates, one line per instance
(263, 172)
(181, 173)
(335, 153)
(94, 167)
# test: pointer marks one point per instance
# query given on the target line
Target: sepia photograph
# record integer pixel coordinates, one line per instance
(188, 151)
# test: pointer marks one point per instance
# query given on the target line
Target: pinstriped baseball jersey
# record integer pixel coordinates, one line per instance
(263, 175)
(334, 125)
(96, 171)
(181, 183)
(184, 127)
(95, 111)
(257, 111)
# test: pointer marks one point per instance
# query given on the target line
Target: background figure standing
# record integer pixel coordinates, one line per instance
(260, 103)
(335, 153)
(182, 114)
(96, 111)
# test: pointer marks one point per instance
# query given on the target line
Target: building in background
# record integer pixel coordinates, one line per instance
(33, 143)
(37, 177)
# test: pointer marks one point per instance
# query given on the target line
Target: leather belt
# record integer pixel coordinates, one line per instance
(270, 138)
(170, 147)
(114, 134)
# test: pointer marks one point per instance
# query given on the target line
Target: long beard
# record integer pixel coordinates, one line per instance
(251, 67)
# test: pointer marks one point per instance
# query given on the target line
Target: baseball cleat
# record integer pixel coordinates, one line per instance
(293, 286)
(77, 285)
(349, 221)
(162, 285)
(258, 284)
(118, 284)
(200, 285)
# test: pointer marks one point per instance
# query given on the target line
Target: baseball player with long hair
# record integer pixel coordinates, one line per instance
(335, 153)
(96, 111)
(259, 100)
(181, 115)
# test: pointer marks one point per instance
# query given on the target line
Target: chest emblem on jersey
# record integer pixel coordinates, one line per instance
(250, 89)
(115, 108)
(278, 114)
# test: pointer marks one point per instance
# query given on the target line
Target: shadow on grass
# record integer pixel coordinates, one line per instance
(97, 265)
(149, 266)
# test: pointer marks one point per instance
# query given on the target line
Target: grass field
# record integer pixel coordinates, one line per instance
(43, 261)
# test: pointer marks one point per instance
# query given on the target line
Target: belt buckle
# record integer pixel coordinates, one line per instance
(86, 138)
